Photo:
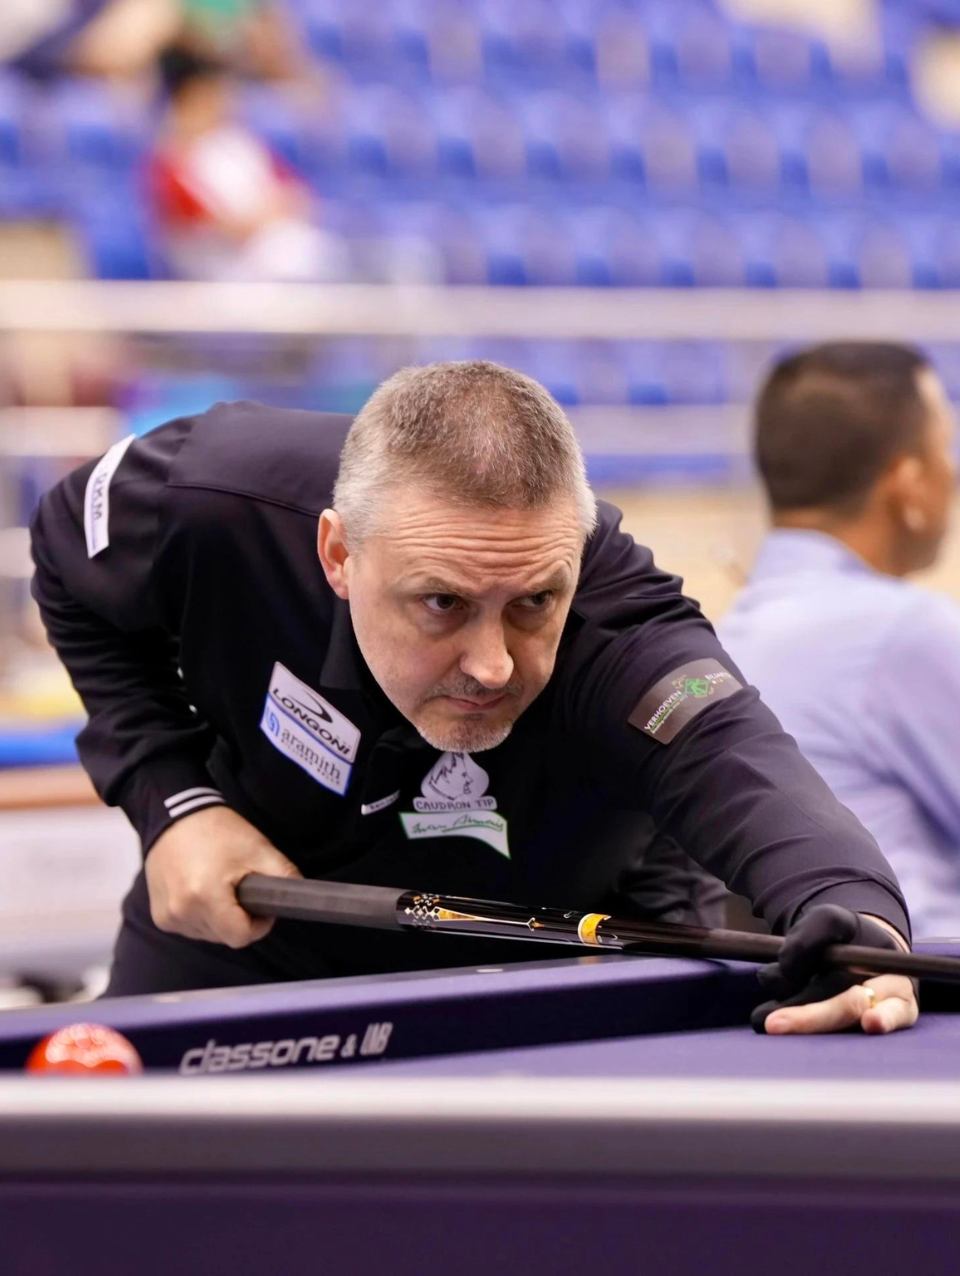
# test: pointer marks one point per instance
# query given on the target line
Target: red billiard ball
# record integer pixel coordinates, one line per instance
(85, 1049)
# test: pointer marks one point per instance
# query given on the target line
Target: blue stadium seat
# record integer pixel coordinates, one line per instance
(621, 49)
(882, 253)
(836, 161)
(523, 41)
(27, 187)
(819, 149)
(453, 116)
(860, 251)
(556, 365)
(736, 146)
(902, 25)
(97, 125)
(699, 249)
(782, 252)
(654, 373)
(601, 373)
(278, 123)
(578, 22)
(389, 134)
(113, 231)
(690, 43)
(645, 387)
(947, 252)
(693, 372)
(565, 137)
(863, 68)
(15, 102)
(836, 232)
(463, 247)
(477, 135)
(934, 244)
(779, 58)
(323, 22)
(450, 38)
(416, 243)
(651, 143)
(614, 247)
(899, 147)
(358, 33)
(526, 246)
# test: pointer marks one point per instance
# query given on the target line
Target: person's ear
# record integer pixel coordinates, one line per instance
(333, 553)
(909, 493)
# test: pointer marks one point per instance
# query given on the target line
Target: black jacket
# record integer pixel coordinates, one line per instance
(216, 665)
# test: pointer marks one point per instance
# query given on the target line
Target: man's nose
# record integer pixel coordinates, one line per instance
(486, 658)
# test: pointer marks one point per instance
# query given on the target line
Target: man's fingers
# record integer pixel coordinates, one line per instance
(840, 1012)
(893, 1006)
(896, 1005)
(234, 926)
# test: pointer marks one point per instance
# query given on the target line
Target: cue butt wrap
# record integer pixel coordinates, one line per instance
(341, 903)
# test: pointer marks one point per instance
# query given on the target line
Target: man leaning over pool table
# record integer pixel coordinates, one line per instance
(418, 652)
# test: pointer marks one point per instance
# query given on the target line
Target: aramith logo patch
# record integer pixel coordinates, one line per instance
(309, 730)
(672, 702)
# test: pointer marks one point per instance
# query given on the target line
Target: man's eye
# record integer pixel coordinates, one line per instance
(536, 602)
(441, 604)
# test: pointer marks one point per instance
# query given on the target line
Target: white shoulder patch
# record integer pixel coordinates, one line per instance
(96, 500)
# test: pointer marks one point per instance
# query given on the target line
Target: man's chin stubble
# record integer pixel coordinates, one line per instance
(467, 738)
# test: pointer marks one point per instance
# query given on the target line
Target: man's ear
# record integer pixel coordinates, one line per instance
(907, 490)
(333, 553)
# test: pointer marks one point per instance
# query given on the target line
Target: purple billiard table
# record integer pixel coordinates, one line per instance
(603, 1113)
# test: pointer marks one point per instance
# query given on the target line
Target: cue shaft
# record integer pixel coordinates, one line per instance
(387, 908)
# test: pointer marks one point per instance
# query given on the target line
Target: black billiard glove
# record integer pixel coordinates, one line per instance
(796, 978)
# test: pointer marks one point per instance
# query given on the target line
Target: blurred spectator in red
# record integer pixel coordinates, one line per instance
(227, 207)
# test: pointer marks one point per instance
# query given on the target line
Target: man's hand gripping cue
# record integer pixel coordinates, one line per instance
(193, 870)
(805, 998)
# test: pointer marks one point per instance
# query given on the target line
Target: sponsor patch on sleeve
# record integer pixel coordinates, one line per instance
(671, 703)
(96, 498)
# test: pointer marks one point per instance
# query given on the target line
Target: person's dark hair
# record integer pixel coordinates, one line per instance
(830, 419)
(180, 66)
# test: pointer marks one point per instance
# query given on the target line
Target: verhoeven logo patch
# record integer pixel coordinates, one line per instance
(675, 700)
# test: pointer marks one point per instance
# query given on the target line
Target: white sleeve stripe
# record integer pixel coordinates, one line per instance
(189, 793)
(184, 807)
(96, 498)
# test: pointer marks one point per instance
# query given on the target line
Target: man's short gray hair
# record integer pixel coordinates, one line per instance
(471, 433)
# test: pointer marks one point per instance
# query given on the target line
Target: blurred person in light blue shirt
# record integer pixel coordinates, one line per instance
(855, 445)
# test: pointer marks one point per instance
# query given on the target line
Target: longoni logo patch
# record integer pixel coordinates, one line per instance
(313, 716)
(308, 709)
(309, 730)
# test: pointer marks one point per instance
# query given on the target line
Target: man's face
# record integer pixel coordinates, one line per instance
(458, 611)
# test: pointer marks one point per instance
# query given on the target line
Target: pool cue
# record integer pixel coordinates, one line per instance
(385, 908)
